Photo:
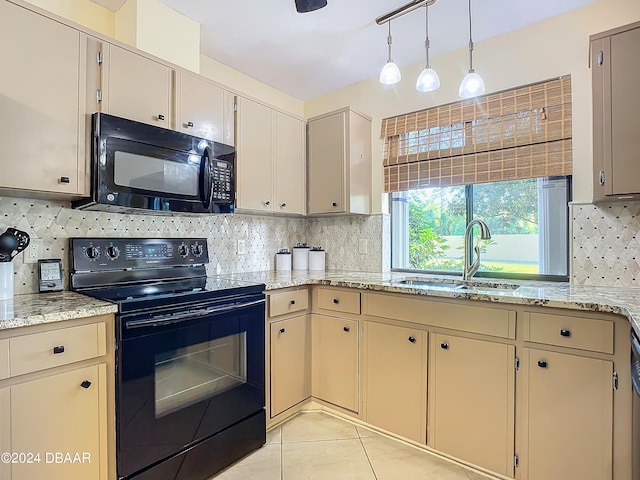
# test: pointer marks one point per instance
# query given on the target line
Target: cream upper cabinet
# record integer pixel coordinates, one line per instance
(570, 415)
(396, 379)
(471, 401)
(253, 156)
(136, 87)
(270, 160)
(336, 363)
(615, 67)
(202, 109)
(40, 103)
(339, 163)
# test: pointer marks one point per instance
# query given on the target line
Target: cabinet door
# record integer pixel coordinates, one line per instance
(137, 88)
(200, 108)
(396, 381)
(570, 417)
(290, 362)
(337, 358)
(254, 156)
(39, 102)
(45, 417)
(289, 165)
(327, 156)
(471, 405)
(5, 430)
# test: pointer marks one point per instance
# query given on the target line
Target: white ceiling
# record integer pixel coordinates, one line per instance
(310, 54)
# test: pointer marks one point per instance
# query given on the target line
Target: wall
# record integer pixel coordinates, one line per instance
(556, 46)
(82, 12)
(55, 222)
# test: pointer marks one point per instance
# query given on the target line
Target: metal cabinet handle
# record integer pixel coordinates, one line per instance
(189, 124)
(542, 364)
(334, 204)
(282, 330)
(267, 203)
(336, 301)
(65, 180)
(346, 329)
(292, 302)
(444, 346)
(283, 205)
(565, 333)
(412, 339)
(59, 349)
(85, 384)
(160, 117)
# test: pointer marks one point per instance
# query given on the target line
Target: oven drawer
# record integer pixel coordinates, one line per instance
(339, 300)
(573, 332)
(39, 351)
(288, 302)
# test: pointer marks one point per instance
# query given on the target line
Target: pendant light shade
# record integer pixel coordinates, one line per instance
(428, 80)
(390, 73)
(472, 84)
(305, 6)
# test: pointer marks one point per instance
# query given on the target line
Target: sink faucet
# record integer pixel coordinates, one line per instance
(470, 268)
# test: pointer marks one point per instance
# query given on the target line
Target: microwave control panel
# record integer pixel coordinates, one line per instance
(222, 190)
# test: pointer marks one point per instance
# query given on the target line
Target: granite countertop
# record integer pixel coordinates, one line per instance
(619, 300)
(38, 308)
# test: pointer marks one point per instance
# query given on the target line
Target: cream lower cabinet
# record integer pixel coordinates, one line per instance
(336, 366)
(570, 410)
(396, 379)
(471, 401)
(58, 418)
(42, 134)
(290, 362)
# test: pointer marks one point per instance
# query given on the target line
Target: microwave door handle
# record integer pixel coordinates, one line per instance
(207, 180)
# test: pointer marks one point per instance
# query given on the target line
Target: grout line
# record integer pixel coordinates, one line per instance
(366, 454)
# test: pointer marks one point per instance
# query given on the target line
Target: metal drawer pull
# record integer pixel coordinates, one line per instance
(267, 203)
(565, 333)
(334, 204)
(160, 117)
(282, 330)
(412, 339)
(346, 329)
(542, 364)
(444, 346)
(189, 124)
(85, 384)
(58, 349)
(65, 180)
(292, 302)
(336, 301)
(283, 205)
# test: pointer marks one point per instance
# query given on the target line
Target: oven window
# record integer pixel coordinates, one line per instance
(197, 372)
(156, 175)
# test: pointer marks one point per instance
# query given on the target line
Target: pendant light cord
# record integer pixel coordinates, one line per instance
(470, 42)
(426, 41)
(389, 42)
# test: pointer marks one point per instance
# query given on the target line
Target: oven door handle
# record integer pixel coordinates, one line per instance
(190, 315)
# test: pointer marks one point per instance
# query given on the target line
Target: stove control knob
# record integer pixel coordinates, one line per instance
(93, 253)
(183, 250)
(197, 249)
(112, 252)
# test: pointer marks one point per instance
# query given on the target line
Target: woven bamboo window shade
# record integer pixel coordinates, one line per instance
(515, 134)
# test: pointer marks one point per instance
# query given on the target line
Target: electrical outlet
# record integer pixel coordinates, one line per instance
(33, 251)
(241, 249)
(362, 246)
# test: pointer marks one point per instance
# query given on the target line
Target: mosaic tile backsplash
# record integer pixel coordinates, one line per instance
(55, 222)
(606, 244)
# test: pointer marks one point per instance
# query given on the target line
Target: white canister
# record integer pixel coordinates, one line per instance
(283, 260)
(317, 259)
(6, 281)
(301, 256)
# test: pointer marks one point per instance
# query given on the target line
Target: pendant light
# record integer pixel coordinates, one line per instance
(472, 84)
(428, 80)
(390, 73)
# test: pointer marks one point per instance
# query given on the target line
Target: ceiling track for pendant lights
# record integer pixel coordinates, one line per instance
(400, 11)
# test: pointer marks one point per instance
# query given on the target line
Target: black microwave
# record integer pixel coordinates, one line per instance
(140, 168)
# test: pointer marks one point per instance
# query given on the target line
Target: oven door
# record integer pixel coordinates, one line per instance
(185, 374)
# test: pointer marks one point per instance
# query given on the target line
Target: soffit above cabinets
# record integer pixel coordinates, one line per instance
(113, 5)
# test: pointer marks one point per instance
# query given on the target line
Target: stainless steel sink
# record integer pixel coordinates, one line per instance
(475, 286)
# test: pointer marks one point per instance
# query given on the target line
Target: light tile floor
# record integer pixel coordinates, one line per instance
(319, 446)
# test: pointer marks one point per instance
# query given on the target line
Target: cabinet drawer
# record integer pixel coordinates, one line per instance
(339, 300)
(39, 351)
(4, 359)
(573, 332)
(288, 302)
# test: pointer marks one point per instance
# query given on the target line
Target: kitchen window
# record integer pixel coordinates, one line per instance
(504, 158)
